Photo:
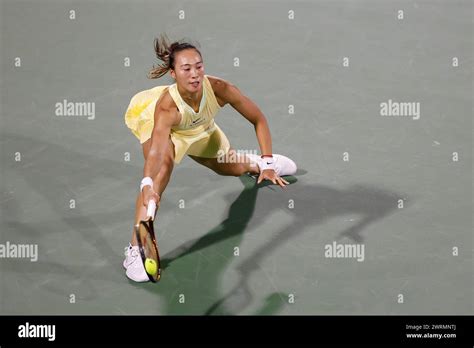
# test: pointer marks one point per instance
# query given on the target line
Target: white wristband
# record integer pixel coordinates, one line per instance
(266, 163)
(147, 181)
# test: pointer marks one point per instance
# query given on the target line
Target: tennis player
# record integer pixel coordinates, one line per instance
(177, 120)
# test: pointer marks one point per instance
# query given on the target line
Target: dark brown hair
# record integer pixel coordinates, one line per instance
(166, 51)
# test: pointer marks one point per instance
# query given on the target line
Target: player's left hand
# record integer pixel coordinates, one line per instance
(269, 174)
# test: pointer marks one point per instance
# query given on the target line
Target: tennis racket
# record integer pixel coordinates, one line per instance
(147, 244)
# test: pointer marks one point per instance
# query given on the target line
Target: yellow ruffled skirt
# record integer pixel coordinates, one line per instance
(207, 140)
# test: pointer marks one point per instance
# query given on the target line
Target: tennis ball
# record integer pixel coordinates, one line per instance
(150, 266)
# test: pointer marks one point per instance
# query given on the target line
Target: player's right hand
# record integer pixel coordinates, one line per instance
(147, 194)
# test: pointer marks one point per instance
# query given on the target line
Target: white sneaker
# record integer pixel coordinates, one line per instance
(283, 165)
(134, 265)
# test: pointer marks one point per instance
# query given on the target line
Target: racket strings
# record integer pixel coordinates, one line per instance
(149, 249)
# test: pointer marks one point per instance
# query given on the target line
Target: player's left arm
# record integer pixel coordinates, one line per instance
(230, 94)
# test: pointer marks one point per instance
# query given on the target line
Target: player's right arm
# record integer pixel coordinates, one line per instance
(166, 116)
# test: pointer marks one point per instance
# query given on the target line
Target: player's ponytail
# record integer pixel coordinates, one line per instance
(166, 51)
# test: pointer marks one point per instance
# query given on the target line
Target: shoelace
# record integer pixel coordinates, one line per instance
(130, 252)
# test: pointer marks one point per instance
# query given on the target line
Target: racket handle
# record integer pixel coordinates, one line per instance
(150, 212)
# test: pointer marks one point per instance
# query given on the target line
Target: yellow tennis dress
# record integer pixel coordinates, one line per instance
(197, 134)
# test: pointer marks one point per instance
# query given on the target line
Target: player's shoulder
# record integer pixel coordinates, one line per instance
(224, 90)
(166, 102)
(167, 110)
(218, 84)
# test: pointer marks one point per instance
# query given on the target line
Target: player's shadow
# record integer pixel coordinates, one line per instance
(313, 205)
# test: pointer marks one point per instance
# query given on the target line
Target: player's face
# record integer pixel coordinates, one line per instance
(188, 70)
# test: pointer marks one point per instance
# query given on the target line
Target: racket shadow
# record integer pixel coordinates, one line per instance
(240, 297)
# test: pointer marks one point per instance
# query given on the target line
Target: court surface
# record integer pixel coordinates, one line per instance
(400, 186)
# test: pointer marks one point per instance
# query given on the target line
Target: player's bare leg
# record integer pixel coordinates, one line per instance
(235, 164)
(231, 164)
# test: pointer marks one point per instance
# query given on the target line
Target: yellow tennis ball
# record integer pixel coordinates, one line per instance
(150, 266)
